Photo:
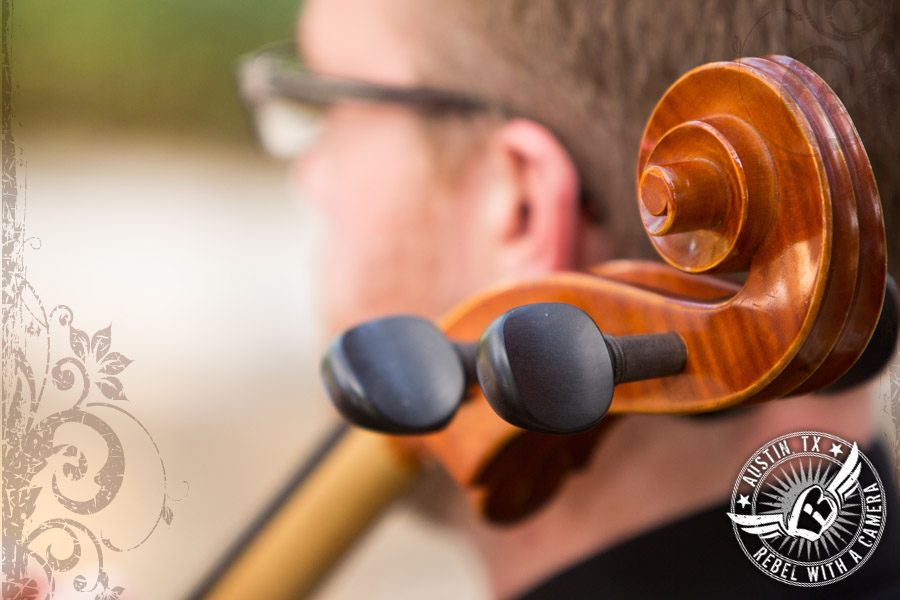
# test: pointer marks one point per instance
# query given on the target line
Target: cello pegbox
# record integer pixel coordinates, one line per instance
(751, 165)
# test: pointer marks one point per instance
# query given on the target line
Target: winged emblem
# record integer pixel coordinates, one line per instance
(814, 510)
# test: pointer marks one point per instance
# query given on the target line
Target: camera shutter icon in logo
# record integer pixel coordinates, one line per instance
(807, 519)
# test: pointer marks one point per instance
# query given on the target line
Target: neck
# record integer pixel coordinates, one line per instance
(650, 470)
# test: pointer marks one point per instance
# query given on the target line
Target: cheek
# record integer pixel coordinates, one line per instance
(381, 262)
(387, 229)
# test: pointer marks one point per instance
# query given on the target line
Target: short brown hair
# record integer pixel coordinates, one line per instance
(592, 71)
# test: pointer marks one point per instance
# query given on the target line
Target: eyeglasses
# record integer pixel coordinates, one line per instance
(286, 102)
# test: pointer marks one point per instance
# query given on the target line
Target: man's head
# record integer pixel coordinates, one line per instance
(424, 209)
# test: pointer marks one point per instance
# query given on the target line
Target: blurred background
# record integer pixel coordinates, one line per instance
(154, 212)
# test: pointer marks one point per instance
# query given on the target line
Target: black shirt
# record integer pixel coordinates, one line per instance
(699, 557)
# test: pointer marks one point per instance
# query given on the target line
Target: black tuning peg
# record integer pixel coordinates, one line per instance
(548, 368)
(397, 375)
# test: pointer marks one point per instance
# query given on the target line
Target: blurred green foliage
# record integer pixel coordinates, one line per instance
(159, 65)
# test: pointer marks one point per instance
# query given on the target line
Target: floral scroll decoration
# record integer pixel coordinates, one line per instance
(61, 388)
(67, 434)
(889, 393)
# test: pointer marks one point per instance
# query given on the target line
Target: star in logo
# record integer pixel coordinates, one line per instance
(744, 500)
(836, 449)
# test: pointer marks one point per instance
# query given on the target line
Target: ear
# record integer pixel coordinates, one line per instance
(535, 209)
